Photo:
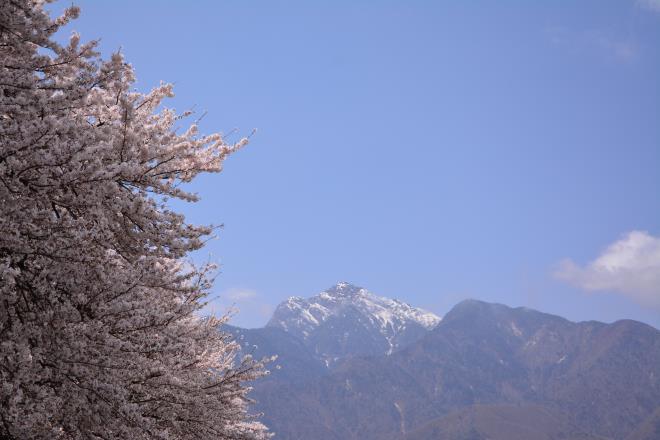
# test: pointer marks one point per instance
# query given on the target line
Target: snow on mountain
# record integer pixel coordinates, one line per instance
(347, 319)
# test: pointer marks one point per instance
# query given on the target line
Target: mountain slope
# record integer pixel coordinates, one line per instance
(502, 422)
(294, 363)
(649, 430)
(603, 379)
(346, 320)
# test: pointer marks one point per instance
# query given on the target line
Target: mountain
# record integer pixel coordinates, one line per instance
(507, 422)
(649, 430)
(484, 371)
(311, 336)
(347, 320)
(295, 363)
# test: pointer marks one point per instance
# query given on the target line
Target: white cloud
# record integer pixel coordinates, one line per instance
(630, 266)
(653, 5)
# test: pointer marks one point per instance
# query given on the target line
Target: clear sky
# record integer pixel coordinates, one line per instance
(430, 151)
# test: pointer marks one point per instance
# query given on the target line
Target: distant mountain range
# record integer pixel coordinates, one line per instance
(353, 365)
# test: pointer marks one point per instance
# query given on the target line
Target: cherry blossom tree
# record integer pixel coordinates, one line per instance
(98, 336)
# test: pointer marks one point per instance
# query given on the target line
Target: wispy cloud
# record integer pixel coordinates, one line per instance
(623, 50)
(652, 5)
(247, 307)
(629, 266)
(615, 47)
(235, 294)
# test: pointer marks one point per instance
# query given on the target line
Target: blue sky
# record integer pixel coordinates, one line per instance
(429, 151)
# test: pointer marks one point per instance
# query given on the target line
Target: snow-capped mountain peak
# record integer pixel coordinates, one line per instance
(346, 312)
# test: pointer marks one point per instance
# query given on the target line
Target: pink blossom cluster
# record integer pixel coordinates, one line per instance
(98, 336)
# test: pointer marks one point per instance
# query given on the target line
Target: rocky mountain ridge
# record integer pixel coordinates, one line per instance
(484, 371)
(346, 320)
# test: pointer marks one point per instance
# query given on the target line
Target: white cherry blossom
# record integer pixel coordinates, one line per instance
(98, 336)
